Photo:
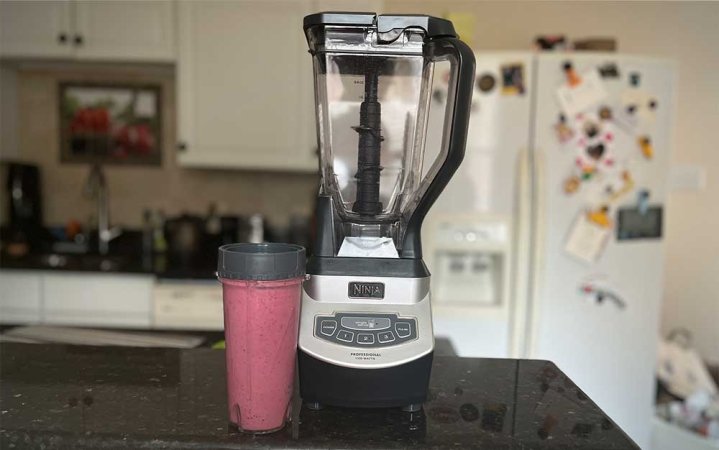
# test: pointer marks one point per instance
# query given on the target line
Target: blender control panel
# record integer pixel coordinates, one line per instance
(365, 329)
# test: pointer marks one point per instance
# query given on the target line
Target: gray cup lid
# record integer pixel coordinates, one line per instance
(261, 262)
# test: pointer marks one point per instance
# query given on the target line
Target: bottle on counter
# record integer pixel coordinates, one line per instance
(257, 229)
(147, 238)
(213, 223)
(159, 242)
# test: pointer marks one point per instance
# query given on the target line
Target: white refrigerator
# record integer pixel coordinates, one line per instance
(548, 242)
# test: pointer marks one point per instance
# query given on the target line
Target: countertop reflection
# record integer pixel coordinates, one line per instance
(57, 396)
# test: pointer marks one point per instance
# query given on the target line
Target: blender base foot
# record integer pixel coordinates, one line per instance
(314, 406)
(412, 407)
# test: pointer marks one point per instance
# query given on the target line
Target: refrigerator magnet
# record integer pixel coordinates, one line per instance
(600, 216)
(637, 109)
(643, 201)
(640, 105)
(605, 113)
(571, 185)
(578, 98)
(573, 78)
(594, 152)
(586, 240)
(513, 79)
(645, 145)
(607, 188)
(609, 70)
(640, 222)
(619, 186)
(564, 132)
(602, 294)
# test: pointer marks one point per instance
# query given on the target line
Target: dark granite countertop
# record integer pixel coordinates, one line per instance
(125, 257)
(56, 396)
(201, 269)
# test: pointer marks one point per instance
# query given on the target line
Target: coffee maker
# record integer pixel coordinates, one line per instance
(366, 336)
(23, 203)
(23, 196)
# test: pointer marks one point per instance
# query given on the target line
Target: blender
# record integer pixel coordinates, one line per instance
(366, 336)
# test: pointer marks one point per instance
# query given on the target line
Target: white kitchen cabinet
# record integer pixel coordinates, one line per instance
(36, 29)
(137, 30)
(88, 30)
(20, 297)
(244, 80)
(98, 300)
(188, 305)
(107, 300)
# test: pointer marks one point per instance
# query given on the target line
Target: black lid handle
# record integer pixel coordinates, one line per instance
(462, 60)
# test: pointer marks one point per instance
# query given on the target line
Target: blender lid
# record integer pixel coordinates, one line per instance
(432, 26)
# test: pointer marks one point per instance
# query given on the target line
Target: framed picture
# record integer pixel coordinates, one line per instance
(110, 123)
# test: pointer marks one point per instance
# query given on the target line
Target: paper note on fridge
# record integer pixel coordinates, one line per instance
(586, 239)
(576, 99)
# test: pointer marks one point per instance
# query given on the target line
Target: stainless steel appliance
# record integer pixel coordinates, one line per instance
(366, 336)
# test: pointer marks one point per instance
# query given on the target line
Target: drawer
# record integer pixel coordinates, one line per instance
(190, 306)
(20, 297)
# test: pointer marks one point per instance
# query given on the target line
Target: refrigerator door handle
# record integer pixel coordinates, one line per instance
(528, 231)
(538, 238)
(522, 234)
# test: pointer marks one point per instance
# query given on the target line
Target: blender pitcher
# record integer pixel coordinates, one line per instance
(366, 334)
(373, 79)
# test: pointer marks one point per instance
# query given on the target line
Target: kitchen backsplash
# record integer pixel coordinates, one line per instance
(132, 189)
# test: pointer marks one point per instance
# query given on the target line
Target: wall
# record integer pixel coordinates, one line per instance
(172, 188)
(683, 31)
(8, 113)
(687, 33)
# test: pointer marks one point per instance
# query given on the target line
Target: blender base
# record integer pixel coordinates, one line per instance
(412, 407)
(314, 406)
(404, 386)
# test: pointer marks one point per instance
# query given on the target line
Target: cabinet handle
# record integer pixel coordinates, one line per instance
(182, 146)
(62, 38)
(78, 39)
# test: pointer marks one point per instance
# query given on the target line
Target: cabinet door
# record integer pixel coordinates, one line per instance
(185, 306)
(244, 85)
(99, 300)
(137, 30)
(20, 297)
(35, 29)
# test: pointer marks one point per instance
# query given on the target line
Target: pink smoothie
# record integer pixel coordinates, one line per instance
(261, 321)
